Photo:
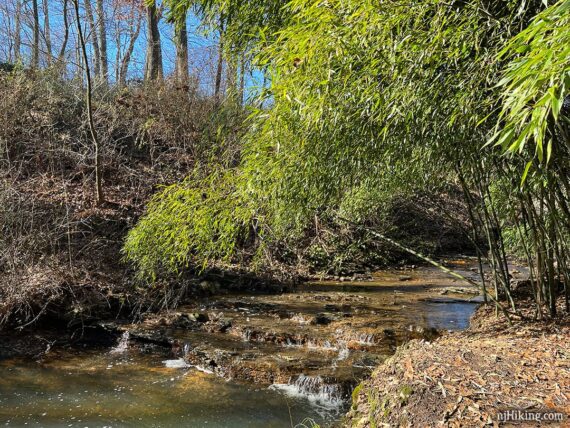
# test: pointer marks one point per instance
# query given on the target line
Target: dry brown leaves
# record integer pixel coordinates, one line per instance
(464, 379)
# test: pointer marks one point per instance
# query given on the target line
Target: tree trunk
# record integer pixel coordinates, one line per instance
(18, 31)
(36, 37)
(93, 37)
(61, 56)
(181, 40)
(232, 77)
(47, 32)
(219, 71)
(243, 70)
(153, 66)
(99, 199)
(129, 52)
(101, 25)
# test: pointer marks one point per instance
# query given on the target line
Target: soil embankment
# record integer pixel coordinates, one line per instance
(468, 378)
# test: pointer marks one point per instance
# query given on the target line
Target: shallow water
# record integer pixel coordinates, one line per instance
(134, 390)
(302, 369)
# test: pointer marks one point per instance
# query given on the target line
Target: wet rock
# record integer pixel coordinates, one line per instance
(404, 278)
(199, 317)
(321, 319)
(153, 337)
(183, 321)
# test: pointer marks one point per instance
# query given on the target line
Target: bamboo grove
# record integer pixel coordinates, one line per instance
(368, 97)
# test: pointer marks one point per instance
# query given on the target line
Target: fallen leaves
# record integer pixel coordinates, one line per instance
(466, 378)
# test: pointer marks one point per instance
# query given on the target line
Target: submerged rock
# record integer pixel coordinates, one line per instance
(321, 319)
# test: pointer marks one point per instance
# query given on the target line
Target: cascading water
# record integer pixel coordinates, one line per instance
(367, 339)
(179, 363)
(315, 389)
(343, 353)
(122, 344)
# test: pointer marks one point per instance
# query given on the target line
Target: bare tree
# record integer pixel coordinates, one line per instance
(99, 198)
(61, 55)
(181, 42)
(36, 38)
(153, 65)
(102, 34)
(18, 31)
(47, 31)
(134, 30)
(93, 37)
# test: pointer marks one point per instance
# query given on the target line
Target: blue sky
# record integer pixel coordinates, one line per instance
(202, 47)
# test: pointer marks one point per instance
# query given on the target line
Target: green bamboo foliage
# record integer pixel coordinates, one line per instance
(535, 83)
(370, 98)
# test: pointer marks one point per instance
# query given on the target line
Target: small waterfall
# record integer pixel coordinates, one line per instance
(326, 345)
(122, 345)
(185, 350)
(179, 363)
(343, 353)
(367, 339)
(315, 389)
(246, 335)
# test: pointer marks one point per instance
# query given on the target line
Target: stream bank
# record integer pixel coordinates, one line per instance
(467, 378)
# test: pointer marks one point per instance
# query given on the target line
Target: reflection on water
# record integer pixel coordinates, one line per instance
(313, 344)
(137, 390)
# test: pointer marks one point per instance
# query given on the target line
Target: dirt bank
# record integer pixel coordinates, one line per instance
(466, 378)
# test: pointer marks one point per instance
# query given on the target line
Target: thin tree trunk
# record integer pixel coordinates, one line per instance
(93, 37)
(78, 60)
(219, 71)
(101, 25)
(36, 37)
(118, 52)
(153, 67)
(18, 31)
(232, 77)
(99, 199)
(61, 56)
(475, 227)
(129, 52)
(181, 41)
(242, 80)
(47, 32)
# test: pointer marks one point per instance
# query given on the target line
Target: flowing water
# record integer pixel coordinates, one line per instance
(263, 360)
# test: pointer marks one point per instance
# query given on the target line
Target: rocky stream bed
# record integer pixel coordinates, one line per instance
(309, 347)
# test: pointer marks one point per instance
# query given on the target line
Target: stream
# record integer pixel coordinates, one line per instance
(240, 360)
